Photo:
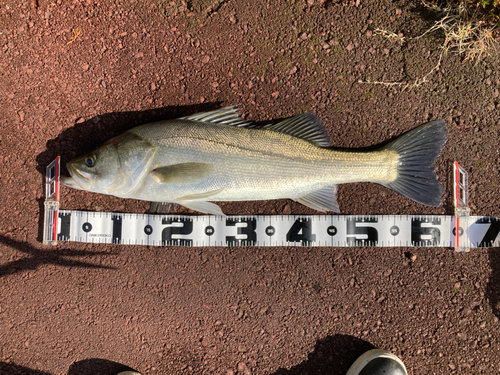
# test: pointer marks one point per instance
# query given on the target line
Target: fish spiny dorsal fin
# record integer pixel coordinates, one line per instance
(306, 126)
(229, 116)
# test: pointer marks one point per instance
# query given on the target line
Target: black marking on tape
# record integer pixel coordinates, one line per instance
(492, 232)
(332, 230)
(248, 231)
(301, 231)
(168, 232)
(117, 228)
(65, 220)
(460, 231)
(354, 231)
(270, 230)
(417, 232)
(394, 230)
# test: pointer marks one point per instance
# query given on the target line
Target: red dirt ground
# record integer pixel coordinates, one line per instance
(82, 309)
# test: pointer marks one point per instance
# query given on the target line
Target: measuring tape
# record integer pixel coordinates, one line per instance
(273, 230)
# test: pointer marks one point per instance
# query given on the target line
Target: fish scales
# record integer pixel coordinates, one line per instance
(279, 164)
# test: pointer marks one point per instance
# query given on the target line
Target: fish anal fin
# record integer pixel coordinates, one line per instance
(306, 126)
(321, 200)
(183, 173)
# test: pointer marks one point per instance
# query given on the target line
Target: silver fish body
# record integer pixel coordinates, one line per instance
(217, 156)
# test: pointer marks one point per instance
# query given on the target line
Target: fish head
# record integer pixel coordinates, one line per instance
(96, 171)
(116, 168)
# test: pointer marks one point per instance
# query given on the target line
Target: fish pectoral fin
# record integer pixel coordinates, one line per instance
(203, 195)
(321, 200)
(202, 206)
(183, 173)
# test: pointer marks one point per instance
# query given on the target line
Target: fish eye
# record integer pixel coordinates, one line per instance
(90, 161)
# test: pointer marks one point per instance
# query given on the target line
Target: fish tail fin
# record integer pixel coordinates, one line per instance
(417, 151)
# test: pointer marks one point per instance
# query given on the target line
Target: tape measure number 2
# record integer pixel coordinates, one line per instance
(461, 231)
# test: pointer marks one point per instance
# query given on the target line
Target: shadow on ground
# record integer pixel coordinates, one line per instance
(13, 369)
(488, 239)
(493, 287)
(97, 366)
(91, 134)
(331, 356)
(91, 366)
(34, 258)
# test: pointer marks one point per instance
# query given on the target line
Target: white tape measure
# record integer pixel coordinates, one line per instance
(273, 230)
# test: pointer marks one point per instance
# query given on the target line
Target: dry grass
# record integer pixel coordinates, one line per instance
(466, 32)
(413, 84)
(391, 36)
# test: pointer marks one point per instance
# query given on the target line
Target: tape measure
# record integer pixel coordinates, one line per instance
(461, 231)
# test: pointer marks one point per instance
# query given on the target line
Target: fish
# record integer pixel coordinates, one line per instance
(218, 156)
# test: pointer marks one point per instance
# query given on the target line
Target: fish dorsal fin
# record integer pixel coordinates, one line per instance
(306, 126)
(223, 116)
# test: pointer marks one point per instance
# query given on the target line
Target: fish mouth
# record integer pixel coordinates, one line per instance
(79, 179)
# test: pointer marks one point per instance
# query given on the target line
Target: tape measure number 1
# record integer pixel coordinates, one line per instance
(461, 231)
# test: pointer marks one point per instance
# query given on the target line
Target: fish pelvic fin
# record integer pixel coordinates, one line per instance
(321, 200)
(203, 206)
(417, 152)
(203, 195)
